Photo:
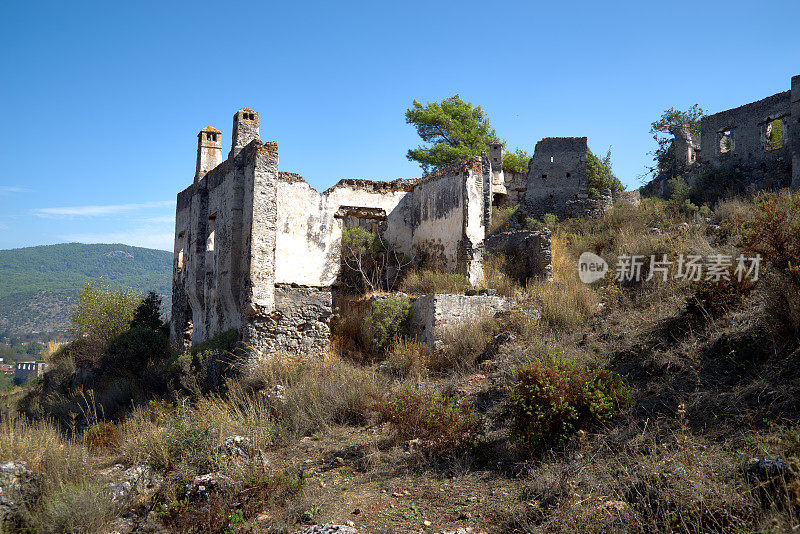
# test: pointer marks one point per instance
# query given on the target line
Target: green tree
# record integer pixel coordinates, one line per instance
(516, 161)
(102, 312)
(663, 131)
(455, 130)
(599, 175)
(148, 313)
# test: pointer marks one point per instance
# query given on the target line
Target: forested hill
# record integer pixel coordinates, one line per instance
(38, 284)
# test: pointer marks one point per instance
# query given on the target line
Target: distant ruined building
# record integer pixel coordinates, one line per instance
(258, 249)
(759, 143)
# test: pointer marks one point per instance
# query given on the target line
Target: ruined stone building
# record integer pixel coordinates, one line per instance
(257, 249)
(556, 181)
(759, 141)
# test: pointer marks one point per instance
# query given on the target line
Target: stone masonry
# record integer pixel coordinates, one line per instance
(257, 249)
(759, 141)
(432, 316)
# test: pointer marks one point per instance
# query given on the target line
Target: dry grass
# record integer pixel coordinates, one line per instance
(317, 394)
(409, 359)
(419, 282)
(463, 345)
(500, 216)
(70, 494)
(495, 276)
(565, 301)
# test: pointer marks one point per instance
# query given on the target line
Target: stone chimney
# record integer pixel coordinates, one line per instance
(209, 151)
(245, 129)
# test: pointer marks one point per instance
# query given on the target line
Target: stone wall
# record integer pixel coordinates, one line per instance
(516, 184)
(528, 254)
(750, 153)
(740, 140)
(448, 219)
(299, 325)
(258, 250)
(557, 173)
(433, 315)
(310, 224)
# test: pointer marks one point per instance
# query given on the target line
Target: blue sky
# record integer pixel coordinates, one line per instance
(100, 103)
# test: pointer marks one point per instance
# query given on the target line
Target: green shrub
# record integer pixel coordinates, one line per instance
(599, 175)
(552, 400)
(103, 313)
(773, 230)
(516, 161)
(135, 349)
(388, 319)
(550, 220)
(534, 225)
(369, 262)
(148, 314)
(438, 422)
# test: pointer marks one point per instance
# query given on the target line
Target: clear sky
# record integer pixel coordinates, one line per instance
(100, 103)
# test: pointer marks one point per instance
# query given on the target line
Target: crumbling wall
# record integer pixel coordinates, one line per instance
(749, 151)
(310, 224)
(527, 254)
(448, 217)
(557, 173)
(299, 325)
(203, 289)
(433, 315)
(516, 184)
(258, 250)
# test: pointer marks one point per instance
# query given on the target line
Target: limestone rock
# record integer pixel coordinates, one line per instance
(18, 486)
(238, 447)
(139, 480)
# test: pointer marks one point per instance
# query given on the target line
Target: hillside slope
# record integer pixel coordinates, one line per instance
(38, 285)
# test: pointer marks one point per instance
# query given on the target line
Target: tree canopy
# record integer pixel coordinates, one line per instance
(516, 161)
(663, 131)
(453, 129)
(599, 175)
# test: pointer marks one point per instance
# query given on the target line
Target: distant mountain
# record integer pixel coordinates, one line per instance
(38, 285)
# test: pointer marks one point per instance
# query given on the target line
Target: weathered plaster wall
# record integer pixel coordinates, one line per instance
(438, 215)
(207, 286)
(433, 315)
(750, 152)
(310, 230)
(557, 173)
(449, 219)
